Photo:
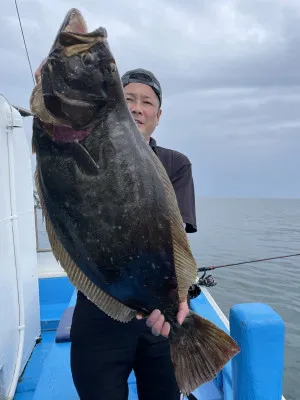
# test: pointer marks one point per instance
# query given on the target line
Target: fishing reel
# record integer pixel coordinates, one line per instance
(195, 289)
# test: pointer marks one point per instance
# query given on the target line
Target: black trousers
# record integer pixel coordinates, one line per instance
(104, 352)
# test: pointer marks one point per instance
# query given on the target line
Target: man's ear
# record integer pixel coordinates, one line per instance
(159, 115)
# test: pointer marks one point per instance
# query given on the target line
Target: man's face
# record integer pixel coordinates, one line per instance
(144, 107)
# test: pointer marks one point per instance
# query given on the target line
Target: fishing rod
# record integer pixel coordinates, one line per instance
(209, 281)
(245, 262)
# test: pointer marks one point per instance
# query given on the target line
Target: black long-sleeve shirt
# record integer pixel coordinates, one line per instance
(179, 170)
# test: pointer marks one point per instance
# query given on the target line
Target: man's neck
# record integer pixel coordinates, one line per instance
(147, 139)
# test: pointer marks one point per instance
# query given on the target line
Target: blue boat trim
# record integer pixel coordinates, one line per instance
(48, 374)
(259, 331)
(256, 327)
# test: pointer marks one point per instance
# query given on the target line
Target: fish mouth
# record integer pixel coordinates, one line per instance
(72, 82)
(73, 22)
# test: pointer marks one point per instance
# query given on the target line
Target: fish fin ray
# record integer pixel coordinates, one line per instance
(102, 300)
(185, 264)
(199, 350)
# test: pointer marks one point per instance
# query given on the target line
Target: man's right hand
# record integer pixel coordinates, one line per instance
(156, 320)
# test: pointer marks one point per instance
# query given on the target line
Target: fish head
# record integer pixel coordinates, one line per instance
(76, 80)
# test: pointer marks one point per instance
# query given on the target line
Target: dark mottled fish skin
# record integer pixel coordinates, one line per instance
(110, 209)
(111, 221)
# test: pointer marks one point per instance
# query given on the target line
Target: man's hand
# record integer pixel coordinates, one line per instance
(156, 321)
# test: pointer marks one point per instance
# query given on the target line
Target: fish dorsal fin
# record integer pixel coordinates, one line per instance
(185, 265)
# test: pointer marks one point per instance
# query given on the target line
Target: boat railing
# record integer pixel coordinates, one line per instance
(41, 236)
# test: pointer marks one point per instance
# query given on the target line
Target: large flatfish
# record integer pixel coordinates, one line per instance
(111, 212)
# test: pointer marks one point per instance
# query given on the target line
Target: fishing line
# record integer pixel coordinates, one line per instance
(208, 281)
(24, 41)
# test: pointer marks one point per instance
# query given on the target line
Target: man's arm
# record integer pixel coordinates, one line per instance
(183, 184)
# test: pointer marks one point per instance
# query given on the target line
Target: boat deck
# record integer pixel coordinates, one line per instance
(48, 375)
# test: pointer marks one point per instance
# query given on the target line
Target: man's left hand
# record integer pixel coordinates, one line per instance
(156, 321)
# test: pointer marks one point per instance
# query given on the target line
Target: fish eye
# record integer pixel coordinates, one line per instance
(113, 67)
(87, 58)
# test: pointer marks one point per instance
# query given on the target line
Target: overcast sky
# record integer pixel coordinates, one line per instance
(230, 73)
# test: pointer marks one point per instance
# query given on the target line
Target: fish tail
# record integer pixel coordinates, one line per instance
(199, 350)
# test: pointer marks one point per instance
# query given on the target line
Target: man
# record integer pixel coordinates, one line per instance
(104, 351)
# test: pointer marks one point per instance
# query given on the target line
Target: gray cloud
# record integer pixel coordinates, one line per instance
(229, 71)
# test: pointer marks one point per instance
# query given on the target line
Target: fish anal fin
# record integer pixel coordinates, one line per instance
(102, 300)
